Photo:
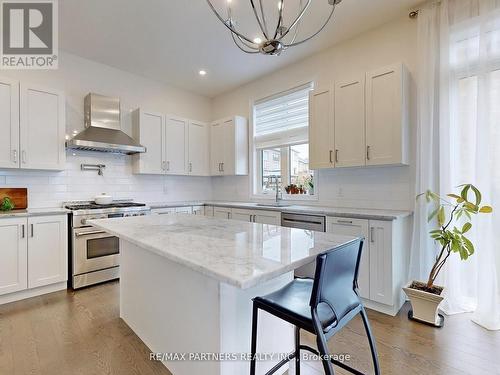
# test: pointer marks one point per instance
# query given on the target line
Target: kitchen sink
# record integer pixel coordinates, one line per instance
(274, 204)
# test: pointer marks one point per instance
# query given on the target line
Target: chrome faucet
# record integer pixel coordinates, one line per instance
(279, 195)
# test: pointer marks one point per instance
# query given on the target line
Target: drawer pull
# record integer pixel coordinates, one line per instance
(344, 221)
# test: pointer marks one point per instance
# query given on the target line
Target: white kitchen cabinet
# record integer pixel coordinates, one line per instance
(222, 212)
(42, 128)
(350, 122)
(384, 259)
(176, 140)
(321, 128)
(33, 126)
(163, 211)
(229, 147)
(381, 249)
(359, 228)
(267, 217)
(148, 129)
(209, 211)
(199, 210)
(13, 255)
(9, 123)
(242, 214)
(198, 160)
(361, 121)
(47, 250)
(256, 216)
(184, 210)
(387, 115)
(33, 256)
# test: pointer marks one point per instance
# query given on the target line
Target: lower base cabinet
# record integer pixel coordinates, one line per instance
(384, 261)
(34, 252)
(13, 255)
(256, 216)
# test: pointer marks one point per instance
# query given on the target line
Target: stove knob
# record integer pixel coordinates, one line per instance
(83, 221)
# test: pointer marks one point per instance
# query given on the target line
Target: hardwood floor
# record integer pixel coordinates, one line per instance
(81, 334)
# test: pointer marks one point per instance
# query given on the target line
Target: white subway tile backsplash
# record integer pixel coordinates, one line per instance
(51, 188)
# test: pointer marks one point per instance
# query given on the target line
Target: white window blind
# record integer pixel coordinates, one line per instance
(282, 119)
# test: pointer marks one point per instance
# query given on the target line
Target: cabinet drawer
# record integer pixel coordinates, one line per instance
(360, 228)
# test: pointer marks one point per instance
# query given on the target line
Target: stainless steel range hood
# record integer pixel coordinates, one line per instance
(102, 128)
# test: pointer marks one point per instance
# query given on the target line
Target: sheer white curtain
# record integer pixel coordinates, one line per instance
(469, 144)
(423, 249)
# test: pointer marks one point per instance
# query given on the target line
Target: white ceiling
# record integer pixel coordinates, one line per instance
(171, 40)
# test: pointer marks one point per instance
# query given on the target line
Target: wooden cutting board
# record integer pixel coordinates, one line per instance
(18, 195)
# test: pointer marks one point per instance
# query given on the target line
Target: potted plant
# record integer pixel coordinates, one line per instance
(453, 216)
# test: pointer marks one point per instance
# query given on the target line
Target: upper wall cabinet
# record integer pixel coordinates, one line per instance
(350, 122)
(229, 147)
(174, 145)
(33, 121)
(387, 98)
(361, 121)
(176, 137)
(198, 153)
(9, 123)
(148, 130)
(321, 129)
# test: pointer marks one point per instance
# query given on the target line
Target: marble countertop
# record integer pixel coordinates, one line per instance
(34, 212)
(235, 252)
(359, 213)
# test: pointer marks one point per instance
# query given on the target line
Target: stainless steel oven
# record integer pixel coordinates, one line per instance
(94, 250)
(95, 254)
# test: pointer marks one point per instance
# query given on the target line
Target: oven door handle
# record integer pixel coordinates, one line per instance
(79, 234)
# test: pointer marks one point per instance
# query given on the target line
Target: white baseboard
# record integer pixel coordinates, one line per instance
(29, 293)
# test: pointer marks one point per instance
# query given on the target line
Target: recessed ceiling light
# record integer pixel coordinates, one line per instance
(202, 72)
(257, 41)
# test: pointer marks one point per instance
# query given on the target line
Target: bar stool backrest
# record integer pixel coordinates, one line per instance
(335, 280)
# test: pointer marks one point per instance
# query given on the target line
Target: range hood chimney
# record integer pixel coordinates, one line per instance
(102, 128)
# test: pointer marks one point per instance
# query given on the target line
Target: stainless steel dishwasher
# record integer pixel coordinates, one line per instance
(308, 222)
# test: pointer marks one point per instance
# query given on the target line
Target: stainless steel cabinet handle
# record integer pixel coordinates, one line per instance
(22, 231)
(190, 167)
(228, 215)
(336, 156)
(331, 159)
(367, 152)
(88, 233)
(32, 230)
(219, 168)
(163, 165)
(372, 234)
(23, 156)
(168, 165)
(14, 156)
(222, 165)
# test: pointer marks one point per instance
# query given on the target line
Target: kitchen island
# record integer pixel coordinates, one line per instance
(187, 282)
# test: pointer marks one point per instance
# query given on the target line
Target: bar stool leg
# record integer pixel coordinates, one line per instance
(371, 340)
(254, 339)
(297, 350)
(324, 352)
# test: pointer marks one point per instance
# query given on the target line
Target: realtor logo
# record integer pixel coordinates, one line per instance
(29, 34)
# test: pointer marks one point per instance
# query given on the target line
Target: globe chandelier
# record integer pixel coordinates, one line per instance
(271, 41)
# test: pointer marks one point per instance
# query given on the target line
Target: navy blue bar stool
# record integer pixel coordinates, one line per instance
(322, 306)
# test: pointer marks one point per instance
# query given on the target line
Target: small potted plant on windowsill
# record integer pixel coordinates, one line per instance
(425, 297)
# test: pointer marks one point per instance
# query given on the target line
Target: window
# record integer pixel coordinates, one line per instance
(281, 143)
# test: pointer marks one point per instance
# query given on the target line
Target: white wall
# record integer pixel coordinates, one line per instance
(380, 187)
(77, 77)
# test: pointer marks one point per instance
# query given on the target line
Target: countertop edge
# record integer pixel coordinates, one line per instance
(293, 208)
(34, 212)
